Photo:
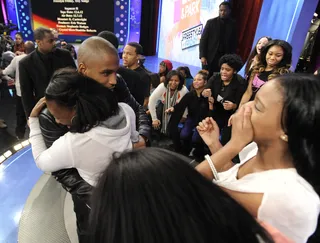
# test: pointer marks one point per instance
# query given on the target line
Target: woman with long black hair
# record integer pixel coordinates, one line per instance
(98, 126)
(155, 196)
(277, 138)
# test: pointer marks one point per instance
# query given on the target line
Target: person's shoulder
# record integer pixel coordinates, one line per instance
(215, 77)
(20, 57)
(28, 58)
(293, 196)
(213, 20)
(125, 107)
(240, 79)
(61, 52)
(126, 71)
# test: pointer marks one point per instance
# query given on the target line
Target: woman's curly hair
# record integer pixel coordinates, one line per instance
(283, 66)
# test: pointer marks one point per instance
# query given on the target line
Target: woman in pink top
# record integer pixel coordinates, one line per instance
(275, 59)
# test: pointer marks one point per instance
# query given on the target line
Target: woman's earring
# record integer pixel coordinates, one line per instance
(72, 119)
(284, 138)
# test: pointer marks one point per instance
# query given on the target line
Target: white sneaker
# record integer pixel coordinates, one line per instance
(2, 124)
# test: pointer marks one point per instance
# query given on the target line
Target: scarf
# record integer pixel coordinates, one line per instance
(169, 102)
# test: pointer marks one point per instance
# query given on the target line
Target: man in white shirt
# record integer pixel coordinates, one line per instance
(13, 71)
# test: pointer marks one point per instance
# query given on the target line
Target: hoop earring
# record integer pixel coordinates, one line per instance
(72, 119)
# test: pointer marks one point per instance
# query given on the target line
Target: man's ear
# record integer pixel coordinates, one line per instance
(38, 42)
(82, 68)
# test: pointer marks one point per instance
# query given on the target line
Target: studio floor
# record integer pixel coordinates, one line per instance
(19, 174)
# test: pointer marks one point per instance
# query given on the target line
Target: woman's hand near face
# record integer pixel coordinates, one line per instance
(38, 107)
(242, 130)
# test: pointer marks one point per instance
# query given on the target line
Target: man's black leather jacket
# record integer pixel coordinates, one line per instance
(51, 131)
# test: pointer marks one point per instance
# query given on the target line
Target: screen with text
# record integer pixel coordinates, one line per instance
(77, 18)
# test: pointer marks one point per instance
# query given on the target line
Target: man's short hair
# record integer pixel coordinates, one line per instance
(94, 47)
(41, 32)
(29, 47)
(139, 49)
(226, 4)
(111, 37)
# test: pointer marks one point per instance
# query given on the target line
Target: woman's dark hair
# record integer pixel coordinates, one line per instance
(20, 34)
(253, 54)
(204, 73)
(186, 71)
(174, 73)
(301, 122)
(232, 60)
(92, 101)
(155, 80)
(154, 196)
(285, 64)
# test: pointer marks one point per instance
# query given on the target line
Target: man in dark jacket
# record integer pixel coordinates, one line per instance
(132, 78)
(36, 69)
(97, 60)
(218, 38)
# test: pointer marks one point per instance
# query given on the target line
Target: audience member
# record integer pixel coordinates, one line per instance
(142, 60)
(185, 72)
(253, 58)
(226, 89)
(219, 37)
(131, 54)
(18, 48)
(169, 94)
(153, 195)
(279, 171)
(155, 81)
(13, 71)
(164, 68)
(275, 59)
(36, 69)
(132, 78)
(73, 52)
(198, 109)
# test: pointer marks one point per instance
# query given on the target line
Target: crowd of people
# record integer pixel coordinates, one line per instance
(254, 138)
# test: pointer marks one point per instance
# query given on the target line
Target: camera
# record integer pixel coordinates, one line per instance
(7, 28)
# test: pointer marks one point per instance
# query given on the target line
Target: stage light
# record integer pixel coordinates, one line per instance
(25, 143)
(7, 154)
(18, 147)
(2, 158)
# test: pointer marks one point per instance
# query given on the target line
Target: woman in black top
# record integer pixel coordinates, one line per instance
(198, 109)
(226, 89)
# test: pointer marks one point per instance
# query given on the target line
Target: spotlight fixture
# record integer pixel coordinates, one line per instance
(7, 154)
(18, 147)
(25, 143)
